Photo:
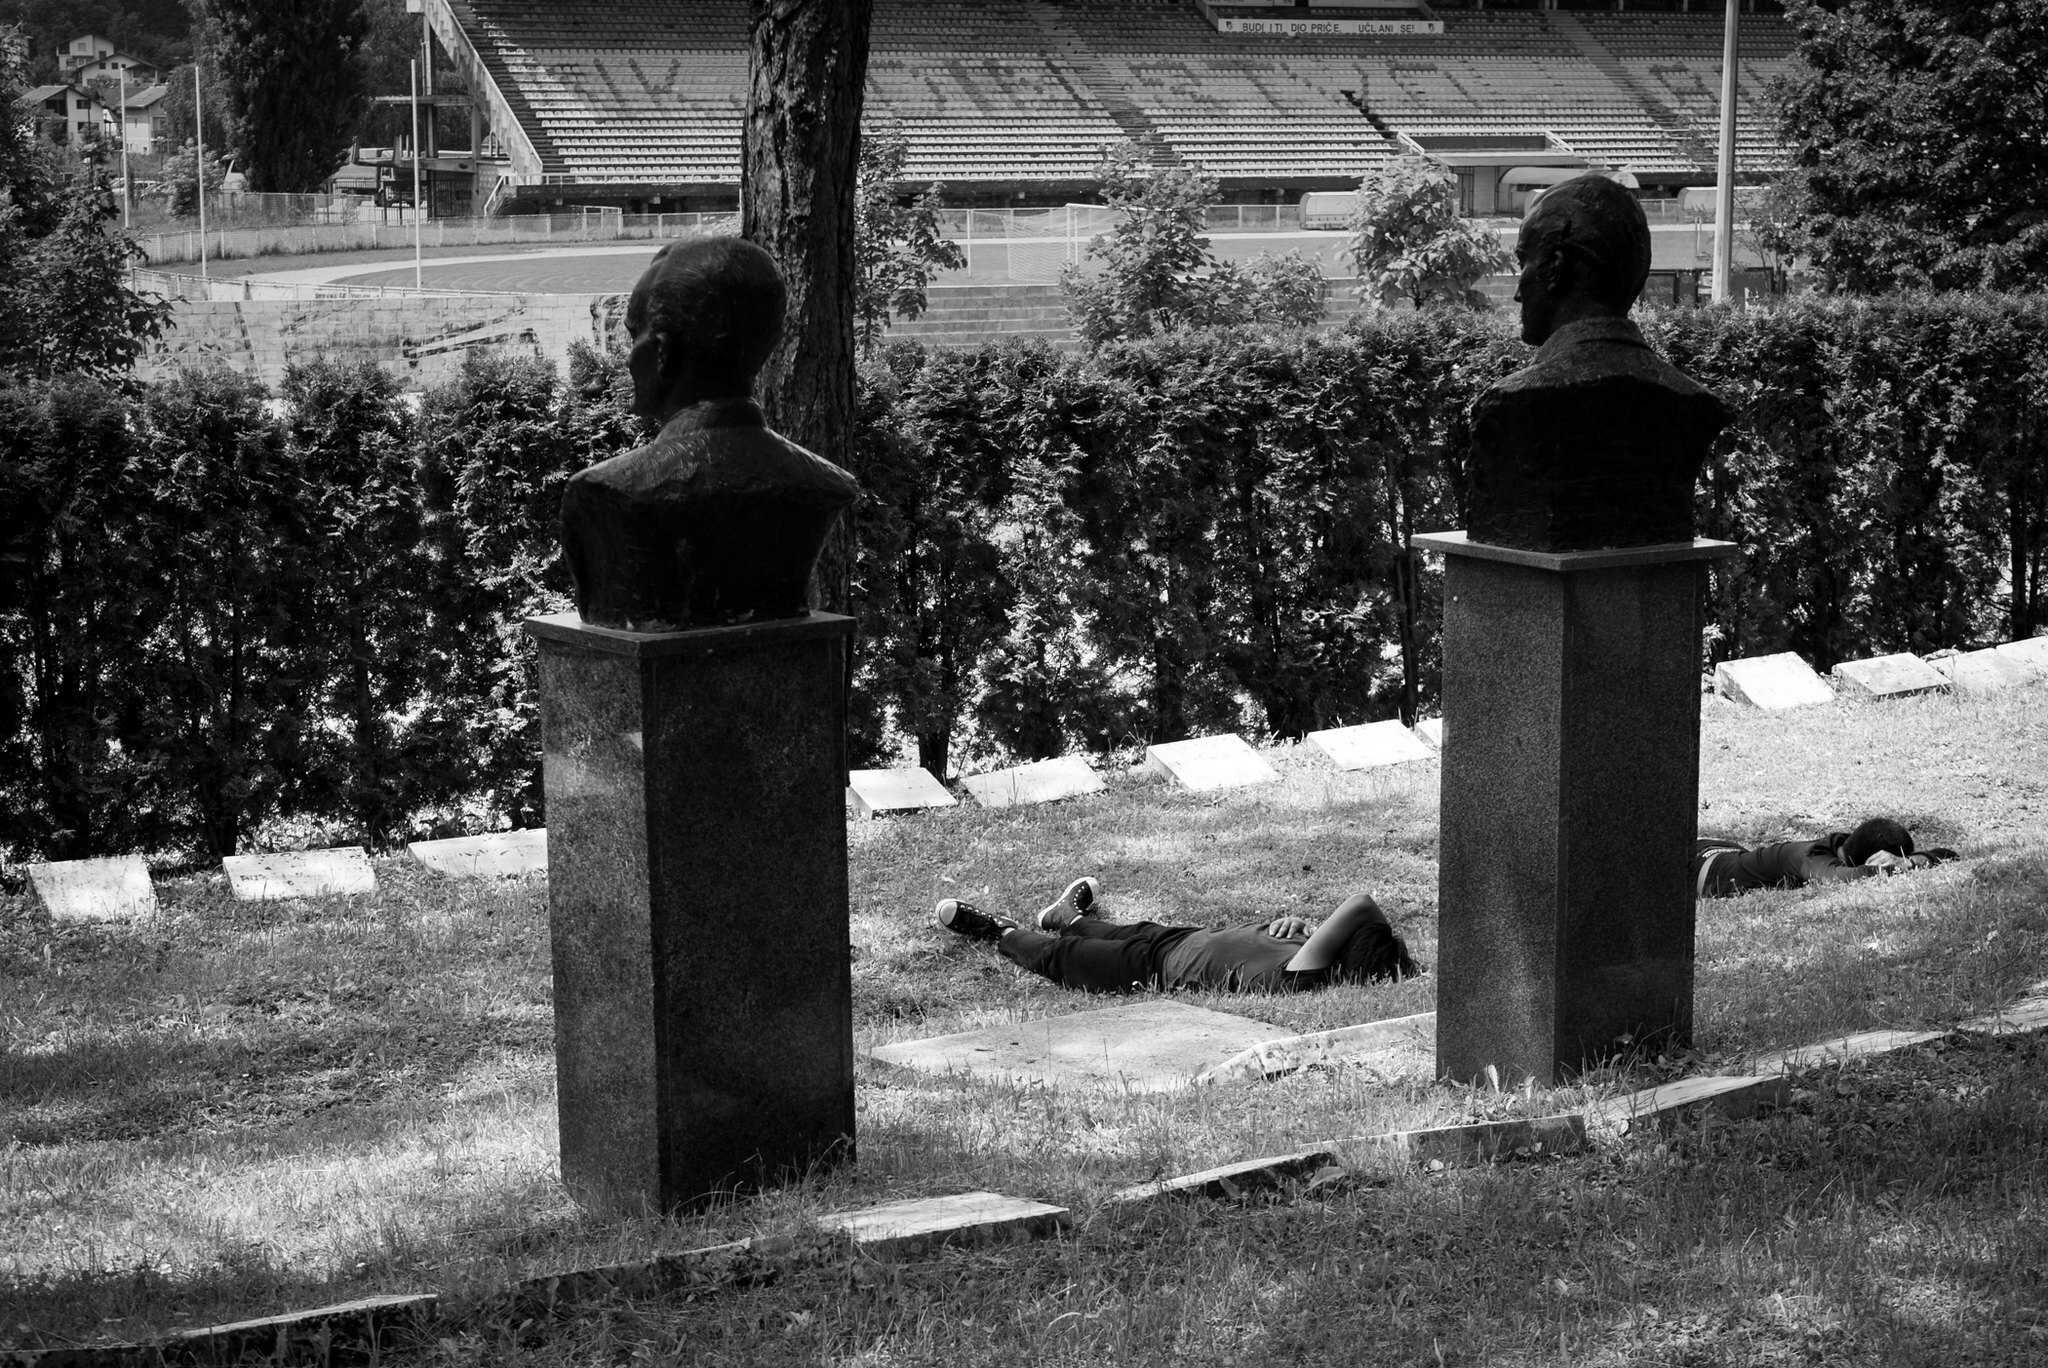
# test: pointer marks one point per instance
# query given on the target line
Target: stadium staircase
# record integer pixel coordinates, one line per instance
(1681, 129)
(1092, 77)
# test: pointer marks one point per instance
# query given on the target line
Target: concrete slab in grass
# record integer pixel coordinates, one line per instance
(1836, 1051)
(897, 1230)
(1982, 672)
(1210, 762)
(300, 874)
(1229, 1180)
(111, 889)
(1397, 1047)
(500, 855)
(1900, 675)
(1042, 781)
(1771, 682)
(2032, 654)
(1737, 1098)
(1431, 730)
(356, 1331)
(1479, 1143)
(1371, 746)
(870, 793)
(1152, 1045)
(2028, 1014)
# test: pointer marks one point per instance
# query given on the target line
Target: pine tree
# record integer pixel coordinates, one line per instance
(293, 75)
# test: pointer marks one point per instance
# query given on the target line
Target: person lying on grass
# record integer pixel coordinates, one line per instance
(1072, 945)
(1723, 868)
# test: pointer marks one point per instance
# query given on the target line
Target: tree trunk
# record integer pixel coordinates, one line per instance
(808, 61)
(2020, 533)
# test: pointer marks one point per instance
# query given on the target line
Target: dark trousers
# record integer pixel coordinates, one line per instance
(1097, 956)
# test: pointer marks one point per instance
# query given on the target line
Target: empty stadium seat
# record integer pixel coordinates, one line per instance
(655, 91)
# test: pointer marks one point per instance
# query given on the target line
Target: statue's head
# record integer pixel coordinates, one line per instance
(703, 318)
(1584, 252)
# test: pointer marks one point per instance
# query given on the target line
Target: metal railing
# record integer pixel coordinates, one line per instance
(172, 285)
(392, 229)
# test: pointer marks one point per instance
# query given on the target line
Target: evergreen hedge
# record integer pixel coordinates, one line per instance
(225, 611)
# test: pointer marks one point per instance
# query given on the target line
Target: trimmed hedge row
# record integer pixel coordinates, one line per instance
(224, 613)
(1207, 531)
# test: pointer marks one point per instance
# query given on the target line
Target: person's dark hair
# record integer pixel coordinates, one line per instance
(1879, 833)
(720, 300)
(1375, 952)
(1602, 227)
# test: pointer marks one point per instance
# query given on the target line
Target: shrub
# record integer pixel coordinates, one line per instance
(218, 618)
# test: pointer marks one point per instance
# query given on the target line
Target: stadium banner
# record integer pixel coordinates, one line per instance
(1325, 27)
(1409, 5)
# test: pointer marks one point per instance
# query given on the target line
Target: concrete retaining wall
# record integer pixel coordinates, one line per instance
(422, 338)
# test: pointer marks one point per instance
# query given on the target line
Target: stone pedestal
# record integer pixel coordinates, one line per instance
(1571, 703)
(697, 901)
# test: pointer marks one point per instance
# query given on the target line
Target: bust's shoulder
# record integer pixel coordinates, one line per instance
(719, 448)
(1607, 355)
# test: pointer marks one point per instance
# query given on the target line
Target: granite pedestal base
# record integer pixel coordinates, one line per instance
(1571, 703)
(697, 902)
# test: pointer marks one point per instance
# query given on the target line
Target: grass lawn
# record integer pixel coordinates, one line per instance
(235, 1110)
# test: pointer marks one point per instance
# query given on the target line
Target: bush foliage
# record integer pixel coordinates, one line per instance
(225, 612)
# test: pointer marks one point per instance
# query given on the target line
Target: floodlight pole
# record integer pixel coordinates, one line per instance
(199, 162)
(1724, 188)
(121, 124)
(416, 196)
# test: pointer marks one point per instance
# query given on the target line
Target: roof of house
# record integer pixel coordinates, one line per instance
(147, 96)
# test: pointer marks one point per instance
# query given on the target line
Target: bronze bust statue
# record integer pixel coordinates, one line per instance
(718, 520)
(1599, 441)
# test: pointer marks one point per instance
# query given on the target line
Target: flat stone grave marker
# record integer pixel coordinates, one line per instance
(870, 793)
(1856, 1046)
(898, 1229)
(1431, 729)
(1210, 762)
(1479, 1142)
(1738, 1098)
(1771, 682)
(2028, 1014)
(2031, 653)
(1042, 781)
(1229, 1180)
(1982, 672)
(1395, 1046)
(107, 889)
(300, 874)
(499, 855)
(1371, 746)
(1151, 1046)
(1900, 675)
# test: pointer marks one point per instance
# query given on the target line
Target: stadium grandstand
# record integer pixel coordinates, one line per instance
(638, 103)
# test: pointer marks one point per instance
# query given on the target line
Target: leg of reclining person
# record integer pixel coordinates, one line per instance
(1095, 956)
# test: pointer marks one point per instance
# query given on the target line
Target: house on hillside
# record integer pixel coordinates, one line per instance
(144, 126)
(86, 59)
(67, 114)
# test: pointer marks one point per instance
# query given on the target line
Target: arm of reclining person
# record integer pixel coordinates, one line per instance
(1287, 928)
(1821, 862)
